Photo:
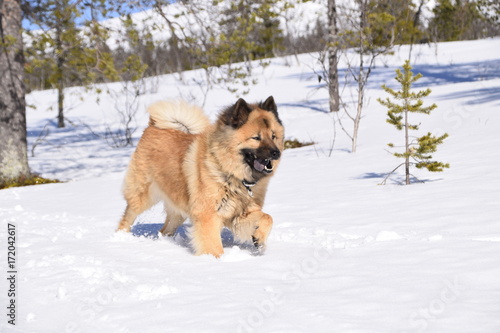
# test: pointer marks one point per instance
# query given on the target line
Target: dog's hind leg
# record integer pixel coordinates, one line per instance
(172, 222)
(128, 219)
(138, 199)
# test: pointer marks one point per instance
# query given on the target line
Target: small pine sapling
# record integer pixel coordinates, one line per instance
(418, 150)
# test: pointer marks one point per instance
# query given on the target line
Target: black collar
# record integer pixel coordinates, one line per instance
(248, 185)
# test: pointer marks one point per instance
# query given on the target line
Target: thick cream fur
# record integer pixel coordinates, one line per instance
(196, 169)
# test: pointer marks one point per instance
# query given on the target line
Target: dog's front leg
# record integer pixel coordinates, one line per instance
(206, 235)
(255, 225)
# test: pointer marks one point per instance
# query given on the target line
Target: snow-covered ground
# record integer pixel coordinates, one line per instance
(345, 254)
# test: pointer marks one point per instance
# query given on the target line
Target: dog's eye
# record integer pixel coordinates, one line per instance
(274, 136)
(256, 138)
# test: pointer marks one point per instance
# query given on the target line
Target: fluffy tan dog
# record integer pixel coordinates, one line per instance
(217, 175)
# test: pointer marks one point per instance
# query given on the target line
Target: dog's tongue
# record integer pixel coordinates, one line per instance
(258, 166)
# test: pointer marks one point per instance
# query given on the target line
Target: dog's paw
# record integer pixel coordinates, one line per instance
(259, 248)
(124, 229)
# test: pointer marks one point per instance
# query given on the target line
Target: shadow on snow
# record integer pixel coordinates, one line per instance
(395, 179)
(433, 74)
(182, 238)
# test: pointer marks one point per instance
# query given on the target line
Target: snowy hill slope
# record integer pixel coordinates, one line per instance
(345, 255)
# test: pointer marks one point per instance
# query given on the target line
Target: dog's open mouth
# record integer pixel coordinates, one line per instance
(259, 164)
(263, 165)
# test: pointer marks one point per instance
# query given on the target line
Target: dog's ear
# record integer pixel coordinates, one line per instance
(269, 105)
(237, 115)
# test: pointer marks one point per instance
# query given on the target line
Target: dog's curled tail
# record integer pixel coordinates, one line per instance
(178, 115)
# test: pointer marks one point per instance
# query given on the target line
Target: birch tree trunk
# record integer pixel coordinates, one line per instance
(60, 77)
(13, 146)
(333, 78)
(362, 77)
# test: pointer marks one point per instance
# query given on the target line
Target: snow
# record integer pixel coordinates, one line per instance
(345, 254)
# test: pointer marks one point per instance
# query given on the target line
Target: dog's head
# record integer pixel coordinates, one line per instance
(256, 136)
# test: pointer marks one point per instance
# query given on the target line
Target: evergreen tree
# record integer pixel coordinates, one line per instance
(240, 32)
(491, 10)
(67, 53)
(396, 19)
(417, 151)
(456, 20)
(250, 29)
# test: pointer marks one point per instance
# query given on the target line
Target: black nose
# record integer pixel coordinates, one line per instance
(275, 154)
